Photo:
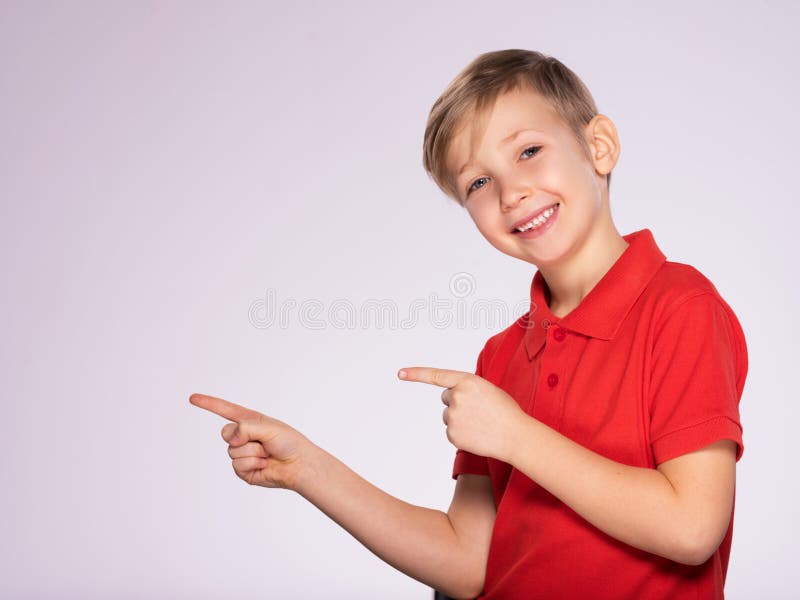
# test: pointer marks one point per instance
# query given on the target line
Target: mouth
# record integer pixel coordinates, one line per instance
(535, 220)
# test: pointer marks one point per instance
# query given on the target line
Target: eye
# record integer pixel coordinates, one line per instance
(472, 187)
(536, 148)
(533, 151)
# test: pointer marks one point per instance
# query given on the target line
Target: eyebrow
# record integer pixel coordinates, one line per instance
(503, 142)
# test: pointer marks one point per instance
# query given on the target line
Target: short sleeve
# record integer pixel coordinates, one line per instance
(466, 462)
(698, 368)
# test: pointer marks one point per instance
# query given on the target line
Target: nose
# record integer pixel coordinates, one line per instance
(513, 195)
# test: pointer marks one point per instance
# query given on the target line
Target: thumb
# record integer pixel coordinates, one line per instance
(238, 434)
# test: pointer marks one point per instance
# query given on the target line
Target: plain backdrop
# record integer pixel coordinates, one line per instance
(170, 171)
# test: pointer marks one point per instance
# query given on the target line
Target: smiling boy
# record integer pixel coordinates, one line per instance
(597, 439)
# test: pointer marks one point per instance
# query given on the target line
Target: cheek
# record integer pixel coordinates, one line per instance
(550, 172)
(565, 177)
(493, 231)
(485, 219)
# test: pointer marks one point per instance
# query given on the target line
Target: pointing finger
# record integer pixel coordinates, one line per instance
(229, 410)
(441, 377)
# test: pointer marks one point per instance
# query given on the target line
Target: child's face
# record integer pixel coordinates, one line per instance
(512, 180)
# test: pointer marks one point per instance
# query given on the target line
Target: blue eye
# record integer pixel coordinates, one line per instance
(470, 189)
(535, 150)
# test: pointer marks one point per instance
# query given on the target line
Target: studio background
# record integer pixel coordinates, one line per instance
(169, 169)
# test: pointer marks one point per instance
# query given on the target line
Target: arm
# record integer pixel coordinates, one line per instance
(681, 510)
(447, 551)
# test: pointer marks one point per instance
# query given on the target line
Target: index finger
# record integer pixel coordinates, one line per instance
(441, 377)
(229, 410)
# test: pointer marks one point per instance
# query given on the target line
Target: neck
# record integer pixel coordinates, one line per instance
(571, 280)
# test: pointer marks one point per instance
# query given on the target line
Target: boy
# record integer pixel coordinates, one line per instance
(597, 439)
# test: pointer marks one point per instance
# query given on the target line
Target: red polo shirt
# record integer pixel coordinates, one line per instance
(649, 366)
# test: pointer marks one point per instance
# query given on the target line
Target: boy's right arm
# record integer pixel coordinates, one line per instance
(447, 551)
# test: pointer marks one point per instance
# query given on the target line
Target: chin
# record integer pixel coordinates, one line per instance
(551, 257)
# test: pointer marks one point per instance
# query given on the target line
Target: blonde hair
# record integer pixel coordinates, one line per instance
(477, 87)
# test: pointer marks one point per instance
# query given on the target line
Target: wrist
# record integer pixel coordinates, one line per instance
(517, 438)
(310, 463)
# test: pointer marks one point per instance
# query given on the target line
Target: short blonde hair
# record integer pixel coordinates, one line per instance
(477, 87)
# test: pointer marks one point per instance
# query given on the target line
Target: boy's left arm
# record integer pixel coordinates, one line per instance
(680, 511)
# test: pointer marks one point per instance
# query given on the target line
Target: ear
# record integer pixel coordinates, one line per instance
(601, 135)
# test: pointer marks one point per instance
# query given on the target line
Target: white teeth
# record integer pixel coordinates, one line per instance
(537, 221)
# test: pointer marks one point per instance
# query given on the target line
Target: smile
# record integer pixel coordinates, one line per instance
(538, 221)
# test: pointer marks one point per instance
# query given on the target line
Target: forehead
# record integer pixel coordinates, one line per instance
(513, 111)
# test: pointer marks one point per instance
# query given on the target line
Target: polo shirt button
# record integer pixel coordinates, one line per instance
(559, 335)
(552, 380)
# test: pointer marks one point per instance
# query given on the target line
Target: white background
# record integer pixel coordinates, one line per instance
(164, 164)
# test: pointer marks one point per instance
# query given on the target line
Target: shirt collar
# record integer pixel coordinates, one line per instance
(603, 309)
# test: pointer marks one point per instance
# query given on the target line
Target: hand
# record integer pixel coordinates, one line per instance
(480, 417)
(265, 451)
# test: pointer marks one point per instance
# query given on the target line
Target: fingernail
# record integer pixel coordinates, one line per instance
(402, 374)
